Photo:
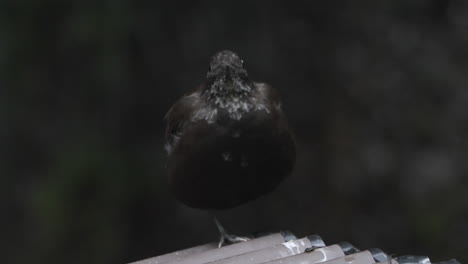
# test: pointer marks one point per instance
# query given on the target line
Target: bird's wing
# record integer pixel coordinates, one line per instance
(269, 94)
(178, 117)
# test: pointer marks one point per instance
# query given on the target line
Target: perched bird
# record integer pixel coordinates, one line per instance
(228, 141)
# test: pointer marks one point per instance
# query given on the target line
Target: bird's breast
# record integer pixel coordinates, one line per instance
(234, 108)
(230, 160)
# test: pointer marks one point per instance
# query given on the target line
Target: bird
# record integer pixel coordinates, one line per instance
(228, 141)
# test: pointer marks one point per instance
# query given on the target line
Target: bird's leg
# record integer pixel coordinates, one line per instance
(226, 238)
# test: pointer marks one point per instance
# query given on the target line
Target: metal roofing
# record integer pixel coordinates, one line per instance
(284, 248)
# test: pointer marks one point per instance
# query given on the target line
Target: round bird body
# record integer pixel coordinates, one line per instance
(228, 142)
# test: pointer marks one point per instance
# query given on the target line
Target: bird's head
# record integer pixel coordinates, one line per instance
(226, 65)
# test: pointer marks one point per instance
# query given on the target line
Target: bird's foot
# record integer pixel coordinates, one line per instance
(228, 239)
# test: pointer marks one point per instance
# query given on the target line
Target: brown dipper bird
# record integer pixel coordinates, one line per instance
(228, 141)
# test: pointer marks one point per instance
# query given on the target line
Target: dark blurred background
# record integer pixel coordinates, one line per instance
(376, 92)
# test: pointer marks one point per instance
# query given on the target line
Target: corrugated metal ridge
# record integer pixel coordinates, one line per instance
(284, 248)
